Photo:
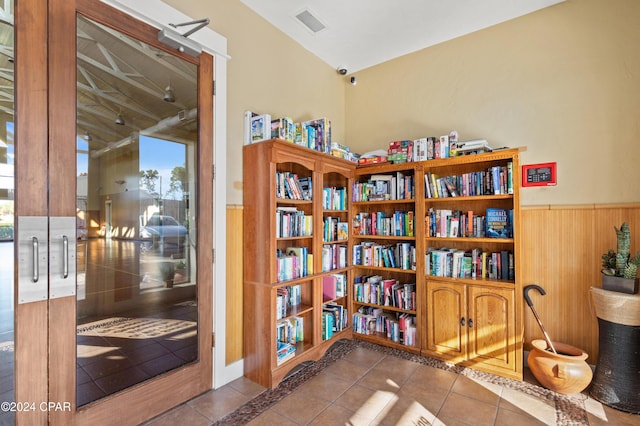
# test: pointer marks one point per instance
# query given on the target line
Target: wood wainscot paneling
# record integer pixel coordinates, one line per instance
(561, 252)
(234, 284)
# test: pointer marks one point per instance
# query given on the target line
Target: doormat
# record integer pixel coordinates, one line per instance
(570, 409)
(138, 328)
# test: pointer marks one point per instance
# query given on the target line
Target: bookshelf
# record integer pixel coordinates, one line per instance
(297, 262)
(387, 288)
(377, 233)
(472, 317)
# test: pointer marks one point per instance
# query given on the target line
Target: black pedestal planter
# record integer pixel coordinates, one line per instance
(616, 381)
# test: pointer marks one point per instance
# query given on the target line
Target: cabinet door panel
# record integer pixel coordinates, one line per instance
(446, 308)
(492, 332)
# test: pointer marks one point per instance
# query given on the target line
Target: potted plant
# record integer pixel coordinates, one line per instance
(167, 270)
(620, 271)
(181, 272)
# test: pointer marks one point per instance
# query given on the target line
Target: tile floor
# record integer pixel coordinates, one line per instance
(370, 388)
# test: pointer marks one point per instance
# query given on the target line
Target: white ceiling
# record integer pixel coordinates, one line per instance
(363, 33)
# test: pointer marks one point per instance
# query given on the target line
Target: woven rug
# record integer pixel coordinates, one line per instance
(570, 409)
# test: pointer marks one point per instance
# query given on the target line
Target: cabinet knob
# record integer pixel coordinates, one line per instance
(462, 321)
(470, 323)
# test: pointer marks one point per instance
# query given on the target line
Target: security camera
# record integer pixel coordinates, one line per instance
(342, 70)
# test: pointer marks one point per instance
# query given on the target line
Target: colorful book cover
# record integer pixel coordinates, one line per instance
(497, 223)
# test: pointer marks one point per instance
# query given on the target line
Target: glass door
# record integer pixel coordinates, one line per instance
(136, 164)
(7, 216)
(122, 329)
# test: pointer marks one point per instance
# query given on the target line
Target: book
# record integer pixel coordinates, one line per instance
(260, 128)
(343, 231)
(285, 351)
(329, 287)
(497, 223)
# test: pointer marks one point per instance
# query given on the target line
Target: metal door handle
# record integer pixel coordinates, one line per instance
(36, 260)
(65, 256)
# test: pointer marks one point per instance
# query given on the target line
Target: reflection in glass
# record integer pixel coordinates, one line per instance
(136, 182)
(7, 215)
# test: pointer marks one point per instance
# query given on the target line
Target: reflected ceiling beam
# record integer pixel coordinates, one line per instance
(153, 54)
(6, 11)
(103, 95)
(167, 123)
(7, 110)
(7, 74)
(121, 76)
(98, 113)
(7, 51)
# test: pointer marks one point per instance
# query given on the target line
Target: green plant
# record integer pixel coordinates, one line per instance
(181, 265)
(620, 263)
(167, 270)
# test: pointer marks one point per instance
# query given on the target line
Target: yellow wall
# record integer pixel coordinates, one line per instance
(268, 73)
(563, 81)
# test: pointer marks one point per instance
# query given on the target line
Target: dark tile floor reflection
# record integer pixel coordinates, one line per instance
(119, 352)
(132, 323)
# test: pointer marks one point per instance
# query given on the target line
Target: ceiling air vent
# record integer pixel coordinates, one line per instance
(310, 21)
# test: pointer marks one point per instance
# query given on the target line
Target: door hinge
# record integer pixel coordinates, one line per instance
(213, 172)
(213, 340)
(214, 87)
(213, 255)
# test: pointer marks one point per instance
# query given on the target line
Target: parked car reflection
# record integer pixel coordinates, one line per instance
(164, 235)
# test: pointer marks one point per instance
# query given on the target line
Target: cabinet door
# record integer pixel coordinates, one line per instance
(491, 326)
(446, 312)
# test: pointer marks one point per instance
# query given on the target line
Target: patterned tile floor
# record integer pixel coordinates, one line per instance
(358, 383)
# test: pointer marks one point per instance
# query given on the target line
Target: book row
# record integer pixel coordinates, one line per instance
(334, 198)
(445, 223)
(431, 148)
(380, 187)
(314, 134)
(334, 229)
(496, 180)
(334, 257)
(335, 318)
(396, 326)
(334, 286)
(291, 186)
(399, 255)
(385, 292)
(287, 297)
(289, 332)
(284, 352)
(291, 222)
(453, 263)
(293, 262)
(400, 223)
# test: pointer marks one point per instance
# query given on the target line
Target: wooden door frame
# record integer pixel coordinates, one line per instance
(45, 131)
(31, 197)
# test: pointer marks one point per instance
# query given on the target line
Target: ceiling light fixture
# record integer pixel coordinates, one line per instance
(119, 120)
(169, 95)
(87, 136)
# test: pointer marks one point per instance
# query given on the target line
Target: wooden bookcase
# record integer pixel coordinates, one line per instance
(476, 322)
(261, 162)
(385, 231)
